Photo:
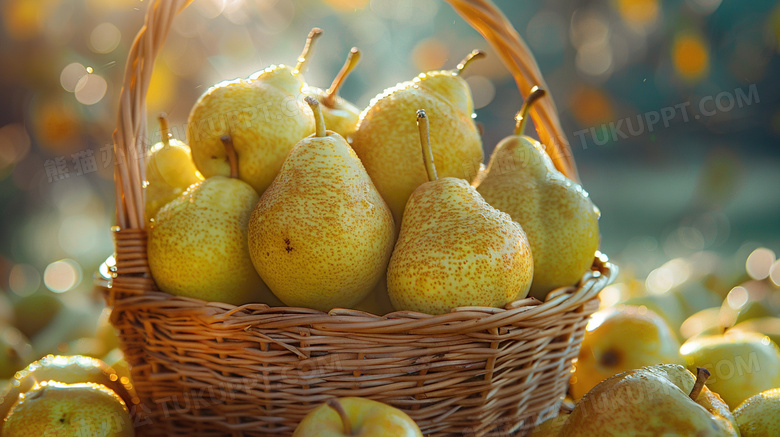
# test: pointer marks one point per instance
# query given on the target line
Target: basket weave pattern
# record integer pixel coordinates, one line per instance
(211, 369)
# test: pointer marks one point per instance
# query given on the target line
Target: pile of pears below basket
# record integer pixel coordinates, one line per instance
(289, 195)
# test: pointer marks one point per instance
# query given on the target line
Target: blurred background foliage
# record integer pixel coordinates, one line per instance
(699, 182)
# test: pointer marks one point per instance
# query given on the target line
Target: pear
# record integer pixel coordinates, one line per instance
(387, 145)
(169, 171)
(769, 326)
(264, 115)
(622, 338)
(555, 212)
(340, 115)
(53, 408)
(742, 363)
(656, 400)
(15, 351)
(321, 235)
(377, 301)
(454, 249)
(760, 414)
(68, 370)
(198, 243)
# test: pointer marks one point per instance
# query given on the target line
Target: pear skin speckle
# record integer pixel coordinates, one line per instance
(321, 235)
(557, 214)
(456, 250)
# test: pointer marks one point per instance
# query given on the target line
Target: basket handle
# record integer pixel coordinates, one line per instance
(130, 135)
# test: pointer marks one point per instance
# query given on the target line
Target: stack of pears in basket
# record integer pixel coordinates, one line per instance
(290, 195)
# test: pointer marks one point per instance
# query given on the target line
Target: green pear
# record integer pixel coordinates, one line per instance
(321, 235)
(388, 146)
(340, 115)
(264, 115)
(658, 400)
(169, 171)
(742, 363)
(556, 213)
(454, 249)
(694, 297)
(665, 305)
(198, 243)
(759, 415)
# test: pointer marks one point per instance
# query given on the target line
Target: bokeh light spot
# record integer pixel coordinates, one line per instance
(482, 90)
(14, 144)
(690, 56)
(61, 276)
(638, 13)
(71, 75)
(759, 263)
(774, 273)
(104, 38)
(90, 89)
(737, 297)
(591, 106)
(430, 54)
(24, 279)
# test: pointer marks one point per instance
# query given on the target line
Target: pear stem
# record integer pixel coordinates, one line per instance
(319, 121)
(232, 157)
(165, 134)
(345, 422)
(425, 140)
(475, 54)
(303, 59)
(701, 377)
(352, 60)
(522, 117)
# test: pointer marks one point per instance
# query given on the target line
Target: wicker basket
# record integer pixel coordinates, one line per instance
(208, 368)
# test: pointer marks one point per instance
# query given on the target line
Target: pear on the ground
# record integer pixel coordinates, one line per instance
(321, 235)
(742, 363)
(454, 249)
(264, 115)
(708, 321)
(35, 312)
(340, 115)
(53, 408)
(556, 213)
(69, 370)
(769, 326)
(387, 144)
(656, 400)
(169, 171)
(356, 417)
(618, 339)
(759, 415)
(198, 243)
(665, 305)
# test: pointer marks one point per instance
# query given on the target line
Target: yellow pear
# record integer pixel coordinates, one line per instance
(454, 249)
(759, 415)
(69, 410)
(264, 115)
(556, 213)
(340, 115)
(769, 326)
(705, 322)
(321, 235)
(356, 417)
(198, 243)
(387, 144)
(618, 339)
(665, 305)
(169, 171)
(69, 370)
(664, 400)
(742, 363)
